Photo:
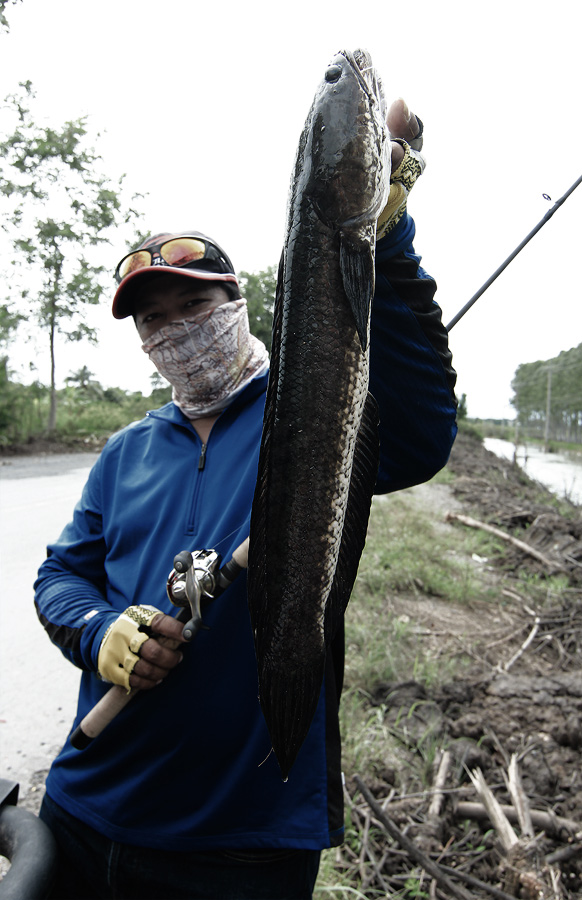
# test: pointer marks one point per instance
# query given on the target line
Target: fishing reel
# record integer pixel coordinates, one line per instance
(193, 578)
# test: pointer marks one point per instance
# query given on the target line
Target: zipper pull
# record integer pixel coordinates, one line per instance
(202, 458)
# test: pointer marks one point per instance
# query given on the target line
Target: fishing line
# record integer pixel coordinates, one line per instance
(227, 536)
(512, 256)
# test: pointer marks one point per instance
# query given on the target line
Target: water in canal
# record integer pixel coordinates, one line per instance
(561, 474)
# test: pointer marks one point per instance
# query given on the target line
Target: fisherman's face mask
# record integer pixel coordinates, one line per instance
(208, 358)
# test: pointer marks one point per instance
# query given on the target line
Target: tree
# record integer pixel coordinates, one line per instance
(83, 377)
(4, 26)
(259, 289)
(9, 322)
(86, 387)
(462, 408)
(59, 209)
(548, 395)
(161, 391)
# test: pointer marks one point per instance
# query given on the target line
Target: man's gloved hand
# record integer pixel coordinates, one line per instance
(140, 648)
(407, 163)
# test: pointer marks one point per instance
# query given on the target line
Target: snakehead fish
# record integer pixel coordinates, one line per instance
(319, 452)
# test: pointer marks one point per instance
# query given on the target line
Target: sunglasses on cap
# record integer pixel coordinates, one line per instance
(178, 252)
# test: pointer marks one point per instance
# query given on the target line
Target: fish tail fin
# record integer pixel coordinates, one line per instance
(289, 701)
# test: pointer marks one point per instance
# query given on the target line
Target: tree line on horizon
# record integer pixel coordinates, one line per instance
(548, 397)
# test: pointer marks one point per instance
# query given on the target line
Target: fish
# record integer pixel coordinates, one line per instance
(319, 450)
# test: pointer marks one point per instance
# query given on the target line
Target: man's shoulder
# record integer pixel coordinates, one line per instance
(168, 412)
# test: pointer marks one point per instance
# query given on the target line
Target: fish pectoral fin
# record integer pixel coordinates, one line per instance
(357, 268)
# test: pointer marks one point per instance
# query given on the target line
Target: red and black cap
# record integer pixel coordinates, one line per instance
(187, 254)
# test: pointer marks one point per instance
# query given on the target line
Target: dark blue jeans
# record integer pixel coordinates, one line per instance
(91, 867)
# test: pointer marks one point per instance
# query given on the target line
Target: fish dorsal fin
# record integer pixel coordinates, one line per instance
(357, 268)
(362, 483)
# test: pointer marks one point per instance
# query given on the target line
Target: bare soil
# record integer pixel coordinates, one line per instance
(520, 693)
(39, 446)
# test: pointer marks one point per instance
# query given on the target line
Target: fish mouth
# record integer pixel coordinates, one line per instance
(363, 68)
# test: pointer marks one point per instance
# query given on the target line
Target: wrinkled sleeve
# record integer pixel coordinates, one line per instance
(411, 373)
(70, 588)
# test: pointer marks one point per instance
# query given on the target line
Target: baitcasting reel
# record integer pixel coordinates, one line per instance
(195, 576)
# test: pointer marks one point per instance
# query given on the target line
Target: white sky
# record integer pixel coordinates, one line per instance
(203, 104)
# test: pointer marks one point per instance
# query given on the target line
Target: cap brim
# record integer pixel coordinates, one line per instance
(129, 288)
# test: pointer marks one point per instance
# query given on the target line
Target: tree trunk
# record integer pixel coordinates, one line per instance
(52, 419)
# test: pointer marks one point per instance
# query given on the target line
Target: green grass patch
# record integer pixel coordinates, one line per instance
(406, 552)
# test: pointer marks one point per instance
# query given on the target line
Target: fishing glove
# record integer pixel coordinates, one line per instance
(401, 183)
(119, 651)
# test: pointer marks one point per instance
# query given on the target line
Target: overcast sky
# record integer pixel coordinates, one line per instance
(202, 106)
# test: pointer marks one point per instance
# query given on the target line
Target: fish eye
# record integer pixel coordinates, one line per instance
(333, 74)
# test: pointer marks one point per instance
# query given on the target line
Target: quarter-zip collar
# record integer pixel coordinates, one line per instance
(173, 414)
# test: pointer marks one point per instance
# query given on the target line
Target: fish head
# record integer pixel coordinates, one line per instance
(347, 145)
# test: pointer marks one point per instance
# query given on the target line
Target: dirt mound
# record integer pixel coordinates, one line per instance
(39, 446)
(507, 498)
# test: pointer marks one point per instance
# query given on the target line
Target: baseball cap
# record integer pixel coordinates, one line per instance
(188, 254)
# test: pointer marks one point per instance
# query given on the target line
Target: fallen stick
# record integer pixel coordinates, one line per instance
(484, 526)
(360, 813)
(564, 854)
(519, 798)
(471, 881)
(554, 826)
(505, 832)
(524, 646)
(520, 866)
(430, 867)
(433, 822)
(434, 809)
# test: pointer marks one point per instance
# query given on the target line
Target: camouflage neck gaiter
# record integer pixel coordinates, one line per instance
(209, 358)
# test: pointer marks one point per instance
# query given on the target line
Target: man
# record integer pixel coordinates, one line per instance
(179, 796)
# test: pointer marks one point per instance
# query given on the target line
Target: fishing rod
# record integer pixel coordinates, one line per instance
(512, 256)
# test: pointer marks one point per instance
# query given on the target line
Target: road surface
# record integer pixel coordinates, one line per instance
(38, 687)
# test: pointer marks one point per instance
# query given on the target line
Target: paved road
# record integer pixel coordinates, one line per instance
(38, 687)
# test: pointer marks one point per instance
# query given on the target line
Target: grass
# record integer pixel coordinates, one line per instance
(407, 552)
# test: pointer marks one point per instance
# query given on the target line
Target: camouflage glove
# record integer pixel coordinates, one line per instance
(401, 183)
(119, 651)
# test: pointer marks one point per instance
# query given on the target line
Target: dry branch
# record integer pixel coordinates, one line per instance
(430, 867)
(519, 799)
(524, 646)
(477, 883)
(520, 868)
(564, 854)
(525, 548)
(436, 802)
(554, 826)
(500, 822)
(433, 823)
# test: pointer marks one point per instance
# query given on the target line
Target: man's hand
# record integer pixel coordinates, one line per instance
(404, 125)
(407, 163)
(140, 648)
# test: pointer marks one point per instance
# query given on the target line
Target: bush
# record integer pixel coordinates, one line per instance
(81, 413)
